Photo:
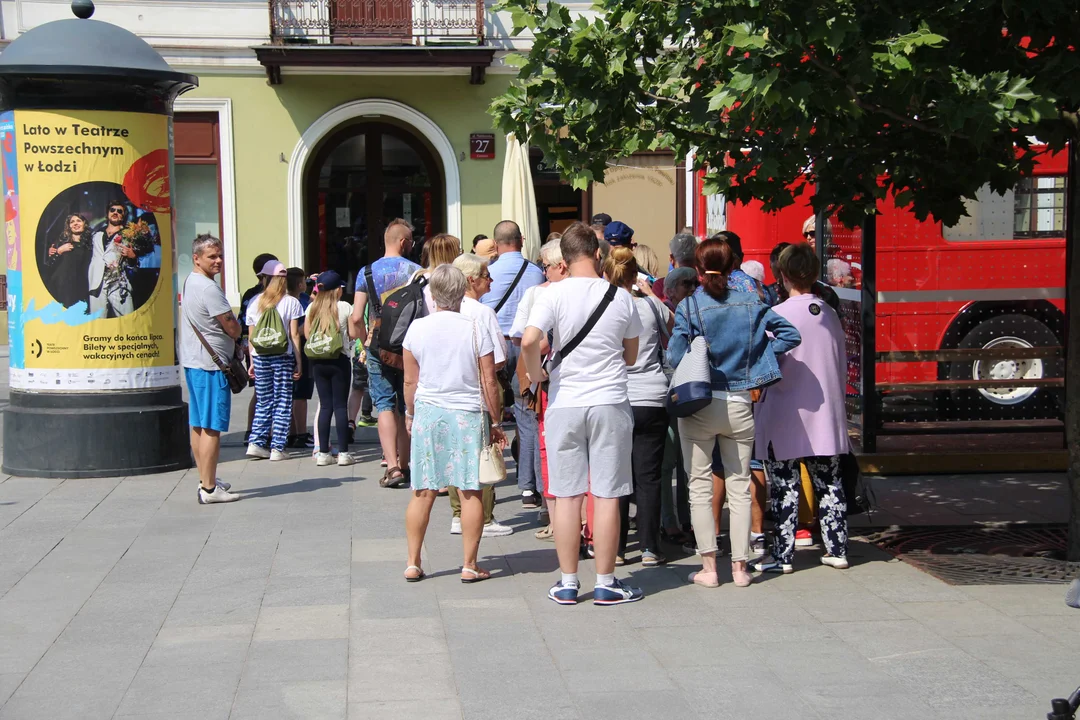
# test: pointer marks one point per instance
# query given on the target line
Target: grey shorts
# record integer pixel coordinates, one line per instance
(589, 450)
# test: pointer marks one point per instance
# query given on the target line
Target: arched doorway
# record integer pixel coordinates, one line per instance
(362, 176)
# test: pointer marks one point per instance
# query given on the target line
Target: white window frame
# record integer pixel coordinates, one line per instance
(223, 108)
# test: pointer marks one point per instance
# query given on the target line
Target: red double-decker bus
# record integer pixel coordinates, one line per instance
(965, 314)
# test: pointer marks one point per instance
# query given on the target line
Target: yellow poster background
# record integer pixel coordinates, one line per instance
(76, 164)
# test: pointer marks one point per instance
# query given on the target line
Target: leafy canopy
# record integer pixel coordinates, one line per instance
(934, 96)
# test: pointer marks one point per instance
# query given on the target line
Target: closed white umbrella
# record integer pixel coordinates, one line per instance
(518, 196)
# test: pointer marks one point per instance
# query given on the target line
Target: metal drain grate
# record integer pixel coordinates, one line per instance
(983, 555)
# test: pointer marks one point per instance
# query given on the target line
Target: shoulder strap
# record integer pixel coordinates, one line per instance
(373, 296)
(213, 355)
(661, 326)
(514, 284)
(589, 324)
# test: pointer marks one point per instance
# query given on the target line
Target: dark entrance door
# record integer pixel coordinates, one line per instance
(361, 178)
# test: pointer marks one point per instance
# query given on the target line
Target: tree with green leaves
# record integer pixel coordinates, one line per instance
(927, 99)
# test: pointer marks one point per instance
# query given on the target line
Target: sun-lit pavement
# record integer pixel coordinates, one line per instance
(124, 598)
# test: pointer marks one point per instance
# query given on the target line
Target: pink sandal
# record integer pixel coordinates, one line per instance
(741, 577)
(705, 579)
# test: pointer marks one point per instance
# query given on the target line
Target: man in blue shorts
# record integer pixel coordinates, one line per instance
(386, 384)
(208, 335)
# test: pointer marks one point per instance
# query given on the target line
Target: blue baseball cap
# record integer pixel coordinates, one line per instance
(330, 280)
(618, 233)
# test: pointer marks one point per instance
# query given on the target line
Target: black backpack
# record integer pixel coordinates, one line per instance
(399, 309)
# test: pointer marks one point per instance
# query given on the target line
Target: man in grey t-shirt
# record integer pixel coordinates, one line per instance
(207, 317)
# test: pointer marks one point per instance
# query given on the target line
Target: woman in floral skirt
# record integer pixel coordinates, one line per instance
(449, 382)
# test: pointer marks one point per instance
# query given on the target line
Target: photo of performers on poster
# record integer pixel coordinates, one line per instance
(96, 248)
(90, 250)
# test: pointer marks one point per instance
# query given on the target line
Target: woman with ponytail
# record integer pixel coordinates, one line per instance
(744, 337)
(646, 388)
(327, 319)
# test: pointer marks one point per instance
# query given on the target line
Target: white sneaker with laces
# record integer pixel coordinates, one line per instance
(455, 526)
(323, 459)
(257, 453)
(494, 529)
(840, 563)
(278, 455)
(345, 459)
(220, 495)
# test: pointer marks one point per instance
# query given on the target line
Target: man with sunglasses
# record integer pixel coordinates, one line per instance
(110, 291)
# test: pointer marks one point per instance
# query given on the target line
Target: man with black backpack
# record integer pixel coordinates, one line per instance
(374, 284)
(511, 276)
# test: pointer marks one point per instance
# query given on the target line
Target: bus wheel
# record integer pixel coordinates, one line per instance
(1012, 402)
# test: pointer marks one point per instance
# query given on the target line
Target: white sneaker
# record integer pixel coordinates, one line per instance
(840, 563)
(278, 455)
(455, 526)
(220, 495)
(345, 459)
(494, 529)
(221, 484)
(257, 453)
(324, 459)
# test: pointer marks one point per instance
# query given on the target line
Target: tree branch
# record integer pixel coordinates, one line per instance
(654, 96)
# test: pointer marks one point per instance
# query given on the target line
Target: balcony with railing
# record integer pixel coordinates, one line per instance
(377, 22)
(313, 34)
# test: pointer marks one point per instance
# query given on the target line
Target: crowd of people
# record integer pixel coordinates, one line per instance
(579, 351)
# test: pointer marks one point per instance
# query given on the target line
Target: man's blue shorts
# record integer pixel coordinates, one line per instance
(386, 385)
(209, 399)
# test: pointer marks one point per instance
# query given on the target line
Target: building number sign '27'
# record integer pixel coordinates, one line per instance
(482, 146)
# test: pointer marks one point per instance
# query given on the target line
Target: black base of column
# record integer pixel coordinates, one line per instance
(84, 435)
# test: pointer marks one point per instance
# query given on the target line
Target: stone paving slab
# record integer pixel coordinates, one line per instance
(123, 598)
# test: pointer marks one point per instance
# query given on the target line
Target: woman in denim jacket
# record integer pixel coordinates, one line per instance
(742, 356)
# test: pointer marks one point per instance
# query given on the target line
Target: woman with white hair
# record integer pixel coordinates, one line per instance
(449, 381)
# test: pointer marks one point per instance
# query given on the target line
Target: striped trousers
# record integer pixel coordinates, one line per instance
(273, 400)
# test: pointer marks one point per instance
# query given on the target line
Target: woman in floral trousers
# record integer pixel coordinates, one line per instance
(802, 418)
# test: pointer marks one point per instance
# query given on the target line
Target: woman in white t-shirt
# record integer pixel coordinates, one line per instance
(646, 387)
(447, 362)
(274, 374)
(328, 316)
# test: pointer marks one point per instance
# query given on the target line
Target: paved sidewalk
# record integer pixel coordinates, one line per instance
(124, 598)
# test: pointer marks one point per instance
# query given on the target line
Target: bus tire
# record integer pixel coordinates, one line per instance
(1017, 403)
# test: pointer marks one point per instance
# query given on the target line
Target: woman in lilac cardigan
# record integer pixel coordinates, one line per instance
(802, 417)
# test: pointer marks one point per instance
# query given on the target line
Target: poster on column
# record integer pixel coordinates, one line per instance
(88, 228)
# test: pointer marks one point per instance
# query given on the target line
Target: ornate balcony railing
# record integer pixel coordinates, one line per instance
(358, 22)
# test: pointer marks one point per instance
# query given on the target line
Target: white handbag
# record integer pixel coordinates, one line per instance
(691, 383)
(492, 463)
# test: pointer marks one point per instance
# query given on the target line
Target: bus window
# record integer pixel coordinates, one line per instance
(989, 217)
(1040, 207)
(1035, 209)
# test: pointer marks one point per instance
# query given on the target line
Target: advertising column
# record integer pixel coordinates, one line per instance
(88, 226)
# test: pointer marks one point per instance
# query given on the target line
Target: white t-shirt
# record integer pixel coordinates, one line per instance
(521, 319)
(594, 373)
(486, 321)
(647, 384)
(289, 308)
(443, 346)
(344, 309)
